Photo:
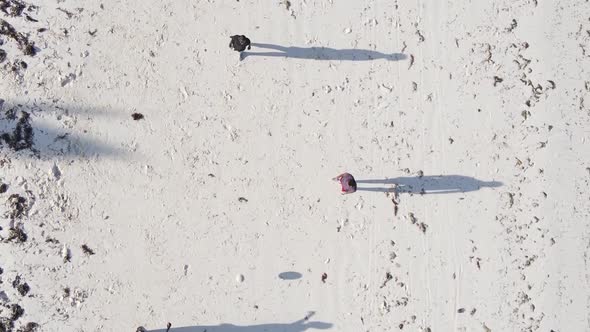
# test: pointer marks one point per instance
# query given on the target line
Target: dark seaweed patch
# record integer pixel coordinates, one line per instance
(22, 40)
(22, 287)
(17, 204)
(22, 136)
(12, 7)
(16, 312)
(30, 327)
(16, 234)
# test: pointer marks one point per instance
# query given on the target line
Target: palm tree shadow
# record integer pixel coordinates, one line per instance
(25, 130)
(430, 184)
(322, 53)
(297, 326)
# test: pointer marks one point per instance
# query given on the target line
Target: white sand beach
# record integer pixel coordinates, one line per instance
(216, 211)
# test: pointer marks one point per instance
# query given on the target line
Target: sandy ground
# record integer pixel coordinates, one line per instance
(217, 212)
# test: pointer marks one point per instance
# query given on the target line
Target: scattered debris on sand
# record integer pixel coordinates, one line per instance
(512, 26)
(51, 240)
(87, 250)
(29, 327)
(411, 61)
(420, 36)
(17, 205)
(66, 254)
(412, 218)
(21, 286)
(288, 5)
(393, 195)
(388, 277)
(16, 234)
(421, 226)
(68, 13)
(497, 80)
(66, 292)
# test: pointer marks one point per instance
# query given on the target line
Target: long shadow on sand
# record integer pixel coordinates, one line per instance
(298, 326)
(321, 53)
(429, 184)
(47, 130)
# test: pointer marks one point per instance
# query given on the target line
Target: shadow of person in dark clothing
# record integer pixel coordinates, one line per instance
(321, 53)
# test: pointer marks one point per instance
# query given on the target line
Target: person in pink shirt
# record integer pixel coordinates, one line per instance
(347, 182)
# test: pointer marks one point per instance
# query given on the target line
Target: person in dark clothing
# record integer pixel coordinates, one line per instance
(239, 43)
(347, 182)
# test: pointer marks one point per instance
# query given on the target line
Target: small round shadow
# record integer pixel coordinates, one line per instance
(290, 275)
